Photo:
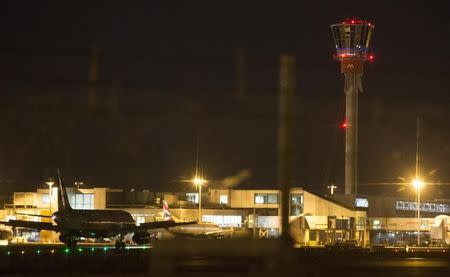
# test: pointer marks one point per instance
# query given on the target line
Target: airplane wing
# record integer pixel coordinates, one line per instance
(31, 225)
(37, 215)
(162, 224)
(50, 227)
(215, 233)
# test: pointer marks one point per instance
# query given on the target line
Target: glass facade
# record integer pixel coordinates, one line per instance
(266, 198)
(82, 201)
(296, 204)
(224, 220)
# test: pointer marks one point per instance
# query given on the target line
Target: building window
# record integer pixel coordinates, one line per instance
(223, 199)
(266, 198)
(361, 203)
(45, 199)
(376, 224)
(224, 220)
(82, 201)
(296, 204)
(192, 197)
(140, 219)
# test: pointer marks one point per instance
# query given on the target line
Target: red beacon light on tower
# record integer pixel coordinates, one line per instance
(344, 124)
(357, 22)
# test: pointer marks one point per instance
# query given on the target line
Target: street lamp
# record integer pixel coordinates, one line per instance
(332, 187)
(78, 184)
(198, 181)
(418, 184)
(50, 184)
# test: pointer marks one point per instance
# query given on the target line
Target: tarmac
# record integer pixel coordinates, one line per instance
(217, 258)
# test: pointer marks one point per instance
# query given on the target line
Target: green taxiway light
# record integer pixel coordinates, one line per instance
(66, 250)
(92, 249)
(80, 250)
(38, 251)
(105, 248)
(9, 253)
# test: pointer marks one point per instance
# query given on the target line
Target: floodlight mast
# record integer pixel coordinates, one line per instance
(352, 38)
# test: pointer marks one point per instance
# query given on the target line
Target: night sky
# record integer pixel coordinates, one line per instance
(167, 83)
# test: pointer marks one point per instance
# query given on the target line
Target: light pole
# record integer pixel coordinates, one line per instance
(50, 184)
(199, 182)
(332, 187)
(418, 184)
(78, 184)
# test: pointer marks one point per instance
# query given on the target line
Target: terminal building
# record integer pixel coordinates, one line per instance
(314, 219)
(394, 221)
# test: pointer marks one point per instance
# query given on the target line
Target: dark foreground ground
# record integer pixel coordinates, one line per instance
(56, 260)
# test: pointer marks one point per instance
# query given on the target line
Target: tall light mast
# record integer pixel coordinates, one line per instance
(352, 39)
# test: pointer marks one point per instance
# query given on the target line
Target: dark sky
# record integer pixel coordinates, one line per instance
(167, 79)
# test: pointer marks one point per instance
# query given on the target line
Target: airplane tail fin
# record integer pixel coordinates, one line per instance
(166, 212)
(63, 200)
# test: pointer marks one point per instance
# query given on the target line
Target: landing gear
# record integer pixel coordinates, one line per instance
(71, 243)
(120, 244)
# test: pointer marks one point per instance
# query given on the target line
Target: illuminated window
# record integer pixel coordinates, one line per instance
(376, 224)
(82, 201)
(192, 197)
(296, 204)
(224, 220)
(259, 199)
(45, 199)
(361, 203)
(140, 219)
(266, 198)
(223, 199)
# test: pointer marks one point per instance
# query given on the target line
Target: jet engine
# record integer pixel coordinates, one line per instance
(5, 234)
(142, 237)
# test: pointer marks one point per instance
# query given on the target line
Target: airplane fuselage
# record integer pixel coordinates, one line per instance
(196, 230)
(94, 223)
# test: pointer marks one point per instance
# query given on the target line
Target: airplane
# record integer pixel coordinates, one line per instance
(190, 230)
(76, 224)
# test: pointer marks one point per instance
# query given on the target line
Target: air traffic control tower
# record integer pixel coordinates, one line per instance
(352, 40)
